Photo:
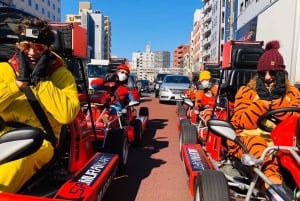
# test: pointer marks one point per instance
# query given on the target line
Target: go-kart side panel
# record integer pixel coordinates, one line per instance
(92, 181)
(18, 197)
(195, 161)
(130, 133)
(213, 146)
(81, 144)
(284, 134)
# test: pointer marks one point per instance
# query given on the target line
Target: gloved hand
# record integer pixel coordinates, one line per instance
(112, 78)
(262, 90)
(105, 118)
(280, 88)
(40, 71)
(24, 71)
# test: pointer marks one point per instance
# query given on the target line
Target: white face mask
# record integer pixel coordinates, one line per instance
(122, 76)
(205, 83)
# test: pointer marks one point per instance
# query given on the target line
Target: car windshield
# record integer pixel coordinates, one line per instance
(145, 82)
(160, 77)
(97, 70)
(176, 79)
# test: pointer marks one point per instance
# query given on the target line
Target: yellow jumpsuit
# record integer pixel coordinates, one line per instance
(57, 96)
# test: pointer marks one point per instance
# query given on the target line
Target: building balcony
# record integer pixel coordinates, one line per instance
(206, 41)
(207, 18)
(207, 7)
(205, 52)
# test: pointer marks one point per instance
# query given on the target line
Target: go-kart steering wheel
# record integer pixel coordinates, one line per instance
(270, 116)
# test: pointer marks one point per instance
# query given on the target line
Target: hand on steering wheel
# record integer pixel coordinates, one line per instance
(272, 116)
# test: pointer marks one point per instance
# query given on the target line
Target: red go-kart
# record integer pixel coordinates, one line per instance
(215, 175)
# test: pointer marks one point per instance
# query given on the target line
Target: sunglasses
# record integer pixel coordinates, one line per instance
(123, 72)
(38, 47)
(272, 73)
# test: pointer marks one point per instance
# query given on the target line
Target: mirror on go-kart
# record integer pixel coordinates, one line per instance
(133, 103)
(225, 129)
(222, 128)
(189, 102)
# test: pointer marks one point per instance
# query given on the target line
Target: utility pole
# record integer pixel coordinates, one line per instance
(231, 23)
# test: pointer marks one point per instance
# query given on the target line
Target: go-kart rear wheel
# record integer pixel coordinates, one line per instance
(211, 185)
(187, 134)
(116, 142)
(144, 111)
(184, 122)
(137, 125)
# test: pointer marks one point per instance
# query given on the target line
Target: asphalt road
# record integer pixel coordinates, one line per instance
(155, 171)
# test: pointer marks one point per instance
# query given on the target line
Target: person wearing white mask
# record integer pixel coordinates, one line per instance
(118, 88)
(205, 95)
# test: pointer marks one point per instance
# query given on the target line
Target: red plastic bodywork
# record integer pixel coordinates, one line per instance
(75, 38)
(92, 179)
(195, 161)
(284, 135)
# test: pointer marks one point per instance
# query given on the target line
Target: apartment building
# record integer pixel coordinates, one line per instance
(99, 26)
(195, 42)
(178, 55)
(48, 9)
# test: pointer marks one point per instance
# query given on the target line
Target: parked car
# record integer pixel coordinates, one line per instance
(143, 86)
(158, 82)
(172, 87)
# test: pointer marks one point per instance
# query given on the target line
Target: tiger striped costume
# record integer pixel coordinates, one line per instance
(248, 107)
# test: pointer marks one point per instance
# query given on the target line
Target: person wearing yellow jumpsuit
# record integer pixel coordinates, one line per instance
(34, 65)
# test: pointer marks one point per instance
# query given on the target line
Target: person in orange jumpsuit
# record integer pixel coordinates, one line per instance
(269, 89)
(36, 66)
(205, 95)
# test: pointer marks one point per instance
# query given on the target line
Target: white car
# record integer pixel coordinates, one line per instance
(172, 87)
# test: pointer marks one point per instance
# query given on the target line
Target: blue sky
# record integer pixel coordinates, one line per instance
(165, 24)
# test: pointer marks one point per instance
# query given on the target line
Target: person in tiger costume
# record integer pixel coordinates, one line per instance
(269, 89)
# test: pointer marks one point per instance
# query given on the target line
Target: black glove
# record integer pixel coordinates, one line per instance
(112, 78)
(40, 71)
(24, 71)
(280, 88)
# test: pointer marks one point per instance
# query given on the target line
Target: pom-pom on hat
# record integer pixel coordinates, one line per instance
(124, 67)
(271, 59)
(204, 75)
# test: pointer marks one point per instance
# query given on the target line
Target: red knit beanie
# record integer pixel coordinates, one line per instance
(124, 67)
(271, 59)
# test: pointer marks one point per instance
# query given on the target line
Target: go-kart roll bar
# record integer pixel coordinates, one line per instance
(88, 98)
(259, 174)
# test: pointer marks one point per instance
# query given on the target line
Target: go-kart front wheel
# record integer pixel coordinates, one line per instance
(116, 142)
(211, 185)
(187, 135)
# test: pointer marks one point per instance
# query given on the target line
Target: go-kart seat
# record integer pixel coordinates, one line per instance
(242, 70)
(236, 79)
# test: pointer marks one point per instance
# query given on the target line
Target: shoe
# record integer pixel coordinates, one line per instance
(272, 195)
